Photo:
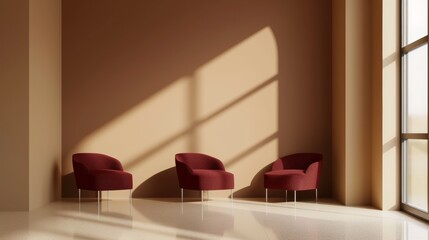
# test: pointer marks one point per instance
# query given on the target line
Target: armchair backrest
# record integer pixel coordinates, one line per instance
(199, 161)
(297, 161)
(91, 161)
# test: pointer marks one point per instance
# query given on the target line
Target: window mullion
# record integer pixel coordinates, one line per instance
(416, 44)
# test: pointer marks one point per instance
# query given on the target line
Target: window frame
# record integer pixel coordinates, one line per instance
(404, 136)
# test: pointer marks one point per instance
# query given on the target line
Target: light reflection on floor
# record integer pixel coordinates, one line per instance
(214, 219)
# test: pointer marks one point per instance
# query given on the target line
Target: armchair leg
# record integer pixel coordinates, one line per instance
(181, 194)
(266, 195)
(294, 196)
(79, 194)
(316, 194)
(232, 194)
(131, 201)
(98, 198)
(107, 199)
(202, 196)
(286, 195)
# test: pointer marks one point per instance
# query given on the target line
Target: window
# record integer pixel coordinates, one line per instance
(414, 127)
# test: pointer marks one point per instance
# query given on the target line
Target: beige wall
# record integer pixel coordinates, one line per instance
(386, 105)
(338, 100)
(14, 108)
(358, 102)
(30, 142)
(352, 118)
(367, 115)
(45, 101)
(142, 82)
(391, 104)
(245, 81)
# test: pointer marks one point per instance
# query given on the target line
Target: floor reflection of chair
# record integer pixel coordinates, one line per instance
(115, 218)
(212, 220)
(103, 209)
(291, 226)
(113, 222)
(188, 217)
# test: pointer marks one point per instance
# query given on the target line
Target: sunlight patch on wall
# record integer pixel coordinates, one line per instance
(242, 126)
(253, 160)
(227, 108)
(145, 126)
(390, 100)
(236, 71)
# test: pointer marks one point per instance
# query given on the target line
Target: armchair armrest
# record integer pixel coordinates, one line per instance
(115, 164)
(183, 168)
(80, 168)
(217, 164)
(312, 173)
(313, 168)
(277, 165)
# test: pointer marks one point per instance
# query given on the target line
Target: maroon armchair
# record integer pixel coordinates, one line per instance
(202, 172)
(99, 172)
(296, 172)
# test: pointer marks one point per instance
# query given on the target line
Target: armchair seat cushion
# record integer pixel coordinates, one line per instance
(107, 179)
(290, 179)
(208, 179)
(285, 172)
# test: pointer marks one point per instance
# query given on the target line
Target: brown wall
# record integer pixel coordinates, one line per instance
(144, 80)
(377, 105)
(246, 81)
(45, 101)
(338, 99)
(30, 103)
(14, 121)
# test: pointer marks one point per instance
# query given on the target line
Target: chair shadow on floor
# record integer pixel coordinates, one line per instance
(164, 186)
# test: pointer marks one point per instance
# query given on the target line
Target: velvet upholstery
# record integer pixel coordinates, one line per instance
(300, 171)
(198, 171)
(99, 172)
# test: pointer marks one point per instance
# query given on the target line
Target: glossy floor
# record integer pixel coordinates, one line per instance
(214, 219)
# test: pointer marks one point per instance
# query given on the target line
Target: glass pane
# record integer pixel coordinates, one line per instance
(416, 175)
(415, 20)
(415, 88)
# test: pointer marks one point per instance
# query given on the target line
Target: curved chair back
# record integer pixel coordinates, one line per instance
(297, 161)
(194, 171)
(95, 161)
(85, 162)
(199, 161)
(99, 172)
